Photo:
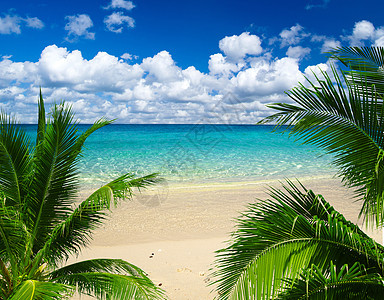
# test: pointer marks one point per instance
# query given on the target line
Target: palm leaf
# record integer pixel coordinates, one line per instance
(13, 240)
(365, 67)
(332, 283)
(55, 180)
(37, 290)
(41, 123)
(276, 239)
(347, 124)
(14, 160)
(76, 230)
(108, 279)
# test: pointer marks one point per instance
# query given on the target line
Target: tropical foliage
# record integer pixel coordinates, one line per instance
(344, 114)
(296, 246)
(41, 225)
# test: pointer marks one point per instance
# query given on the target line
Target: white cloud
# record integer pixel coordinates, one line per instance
(161, 68)
(311, 72)
(317, 4)
(34, 23)
(266, 78)
(218, 65)
(330, 44)
(59, 67)
(115, 4)
(297, 52)
(292, 36)
(366, 31)
(117, 21)
(78, 26)
(128, 56)
(10, 24)
(238, 46)
(363, 30)
(157, 89)
(154, 91)
(379, 42)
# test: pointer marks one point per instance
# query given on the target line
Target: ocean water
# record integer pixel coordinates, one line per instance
(197, 153)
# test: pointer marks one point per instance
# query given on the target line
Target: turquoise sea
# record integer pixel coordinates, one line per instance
(202, 153)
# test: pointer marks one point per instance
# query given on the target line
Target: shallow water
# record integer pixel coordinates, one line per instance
(197, 153)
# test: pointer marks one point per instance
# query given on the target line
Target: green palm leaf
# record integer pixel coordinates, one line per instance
(108, 279)
(274, 240)
(14, 160)
(56, 183)
(41, 122)
(75, 231)
(366, 66)
(40, 225)
(37, 290)
(346, 124)
(345, 283)
(13, 237)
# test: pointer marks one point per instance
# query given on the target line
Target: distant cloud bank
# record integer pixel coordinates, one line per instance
(156, 89)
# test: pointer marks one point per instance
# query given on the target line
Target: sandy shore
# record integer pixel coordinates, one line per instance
(172, 231)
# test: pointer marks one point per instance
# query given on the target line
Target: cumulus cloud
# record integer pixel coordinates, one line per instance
(59, 67)
(267, 78)
(218, 65)
(161, 68)
(298, 52)
(237, 47)
(242, 78)
(153, 91)
(292, 36)
(78, 26)
(117, 21)
(365, 31)
(115, 4)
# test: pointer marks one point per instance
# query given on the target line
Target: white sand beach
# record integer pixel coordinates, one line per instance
(172, 232)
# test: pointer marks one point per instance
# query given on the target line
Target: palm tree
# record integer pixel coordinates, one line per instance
(41, 225)
(296, 246)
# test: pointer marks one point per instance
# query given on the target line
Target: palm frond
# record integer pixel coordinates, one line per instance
(365, 66)
(108, 279)
(13, 239)
(347, 282)
(105, 265)
(76, 230)
(14, 160)
(38, 290)
(55, 180)
(41, 122)
(348, 125)
(276, 239)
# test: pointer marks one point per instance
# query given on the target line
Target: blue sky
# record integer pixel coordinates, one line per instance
(171, 61)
